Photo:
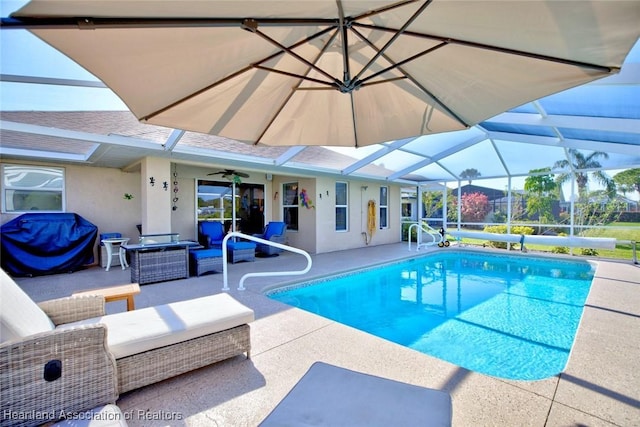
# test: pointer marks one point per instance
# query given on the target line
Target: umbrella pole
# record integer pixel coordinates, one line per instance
(233, 206)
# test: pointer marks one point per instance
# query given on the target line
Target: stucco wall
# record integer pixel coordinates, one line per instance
(317, 226)
(331, 240)
(97, 194)
(304, 238)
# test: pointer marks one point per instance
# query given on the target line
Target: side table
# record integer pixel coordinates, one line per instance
(115, 293)
(119, 242)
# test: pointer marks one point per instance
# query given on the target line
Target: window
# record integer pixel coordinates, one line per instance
(406, 209)
(290, 205)
(384, 207)
(342, 211)
(32, 188)
(214, 201)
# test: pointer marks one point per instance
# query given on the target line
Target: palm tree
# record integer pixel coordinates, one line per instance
(470, 174)
(580, 164)
(628, 181)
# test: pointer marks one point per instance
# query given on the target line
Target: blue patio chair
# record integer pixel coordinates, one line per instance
(274, 232)
(211, 234)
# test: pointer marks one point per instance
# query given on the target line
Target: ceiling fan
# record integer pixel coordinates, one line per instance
(226, 173)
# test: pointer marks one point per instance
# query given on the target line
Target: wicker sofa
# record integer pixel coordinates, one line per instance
(57, 355)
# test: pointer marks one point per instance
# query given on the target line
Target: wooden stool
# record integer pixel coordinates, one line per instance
(115, 293)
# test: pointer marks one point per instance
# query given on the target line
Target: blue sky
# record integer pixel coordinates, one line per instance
(21, 53)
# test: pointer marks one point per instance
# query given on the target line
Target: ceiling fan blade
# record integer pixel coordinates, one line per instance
(230, 172)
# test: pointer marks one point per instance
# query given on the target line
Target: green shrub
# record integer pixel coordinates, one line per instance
(499, 216)
(588, 252)
(560, 249)
(502, 229)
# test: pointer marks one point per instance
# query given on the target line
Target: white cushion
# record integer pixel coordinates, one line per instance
(137, 331)
(19, 315)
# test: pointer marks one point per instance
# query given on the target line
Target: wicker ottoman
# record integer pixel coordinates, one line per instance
(241, 251)
(205, 260)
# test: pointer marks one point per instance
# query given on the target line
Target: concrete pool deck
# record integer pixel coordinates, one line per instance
(599, 387)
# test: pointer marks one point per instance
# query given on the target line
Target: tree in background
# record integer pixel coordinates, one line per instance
(628, 181)
(580, 163)
(475, 207)
(470, 174)
(541, 192)
(599, 209)
(432, 204)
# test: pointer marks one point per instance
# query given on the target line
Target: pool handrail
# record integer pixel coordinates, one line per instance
(427, 229)
(241, 287)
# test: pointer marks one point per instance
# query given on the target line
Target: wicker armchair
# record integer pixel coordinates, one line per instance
(35, 389)
(274, 232)
(57, 356)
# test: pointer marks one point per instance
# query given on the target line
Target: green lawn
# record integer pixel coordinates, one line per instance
(628, 231)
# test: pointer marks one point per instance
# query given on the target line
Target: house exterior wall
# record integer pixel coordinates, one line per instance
(156, 198)
(184, 217)
(97, 194)
(331, 240)
(305, 237)
(317, 225)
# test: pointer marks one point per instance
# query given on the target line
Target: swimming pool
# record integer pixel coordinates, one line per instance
(507, 316)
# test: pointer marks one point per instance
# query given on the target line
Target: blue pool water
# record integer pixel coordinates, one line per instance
(507, 316)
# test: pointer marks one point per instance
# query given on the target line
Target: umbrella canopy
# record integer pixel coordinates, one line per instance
(334, 72)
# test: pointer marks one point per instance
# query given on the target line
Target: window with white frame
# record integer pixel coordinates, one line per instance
(384, 207)
(32, 188)
(342, 206)
(290, 205)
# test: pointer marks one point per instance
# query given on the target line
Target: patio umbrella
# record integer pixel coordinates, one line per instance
(334, 72)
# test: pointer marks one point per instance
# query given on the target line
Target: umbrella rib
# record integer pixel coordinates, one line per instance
(71, 22)
(449, 40)
(79, 22)
(292, 53)
(286, 73)
(397, 34)
(282, 105)
(346, 74)
(235, 74)
(383, 9)
(393, 79)
(414, 81)
(399, 64)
